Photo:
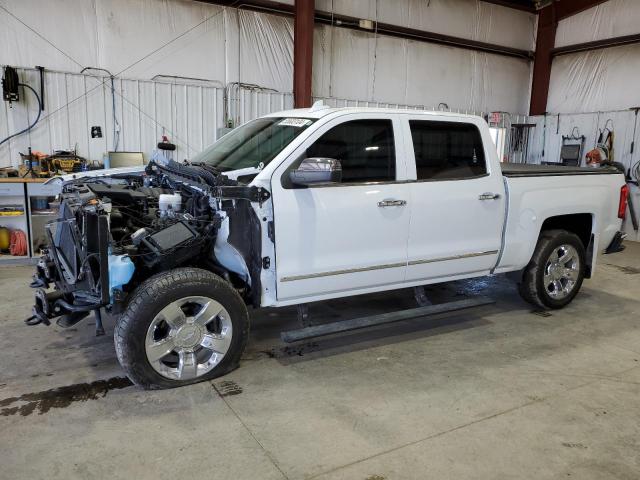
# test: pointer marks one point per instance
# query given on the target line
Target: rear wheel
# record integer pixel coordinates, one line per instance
(556, 271)
(180, 327)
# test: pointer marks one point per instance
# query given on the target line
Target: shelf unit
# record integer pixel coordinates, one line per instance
(37, 201)
(14, 194)
(40, 209)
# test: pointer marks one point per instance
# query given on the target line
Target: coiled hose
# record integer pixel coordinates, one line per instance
(18, 245)
(34, 122)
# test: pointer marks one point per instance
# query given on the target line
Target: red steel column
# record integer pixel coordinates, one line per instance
(546, 38)
(303, 52)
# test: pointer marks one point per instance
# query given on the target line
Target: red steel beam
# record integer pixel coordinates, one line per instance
(548, 19)
(545, 41)
(303, 52)
(597, 45)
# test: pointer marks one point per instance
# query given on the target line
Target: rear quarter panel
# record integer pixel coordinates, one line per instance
(532, 200)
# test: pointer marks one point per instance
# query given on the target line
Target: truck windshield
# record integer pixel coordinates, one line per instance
(255, 143)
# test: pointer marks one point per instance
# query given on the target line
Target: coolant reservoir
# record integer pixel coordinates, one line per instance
(168, 202)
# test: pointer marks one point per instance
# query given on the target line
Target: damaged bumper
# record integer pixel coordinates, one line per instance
(115, 232)
(78, 265)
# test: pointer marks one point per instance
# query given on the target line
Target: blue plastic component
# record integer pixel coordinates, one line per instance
(121, 270)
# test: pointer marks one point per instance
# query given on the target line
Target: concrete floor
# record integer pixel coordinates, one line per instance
(494, 393)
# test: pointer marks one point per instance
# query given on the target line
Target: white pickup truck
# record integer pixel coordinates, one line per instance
(308, 205)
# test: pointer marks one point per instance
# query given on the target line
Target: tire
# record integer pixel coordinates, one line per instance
(172, 309)
(538, 284)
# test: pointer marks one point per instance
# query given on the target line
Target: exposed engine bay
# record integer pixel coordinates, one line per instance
(115, 232)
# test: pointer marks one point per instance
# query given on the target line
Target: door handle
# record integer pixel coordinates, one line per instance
(392, 203)
(489, 196)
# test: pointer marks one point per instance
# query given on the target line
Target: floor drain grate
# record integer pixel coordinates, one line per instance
(226, 388)
(541, 313)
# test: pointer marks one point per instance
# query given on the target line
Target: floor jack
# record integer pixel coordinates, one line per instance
(425, 308)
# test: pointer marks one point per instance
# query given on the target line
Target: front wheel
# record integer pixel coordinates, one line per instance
(180, 327)
(556, 271)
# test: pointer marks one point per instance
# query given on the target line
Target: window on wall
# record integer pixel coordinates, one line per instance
(447, 150)
(365, 149)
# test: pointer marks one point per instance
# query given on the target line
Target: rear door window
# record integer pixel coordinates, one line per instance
(447, 150)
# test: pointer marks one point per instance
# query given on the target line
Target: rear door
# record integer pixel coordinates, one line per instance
(332, 240)
(458, 203)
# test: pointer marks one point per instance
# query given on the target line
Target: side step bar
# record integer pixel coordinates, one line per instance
(364, 322)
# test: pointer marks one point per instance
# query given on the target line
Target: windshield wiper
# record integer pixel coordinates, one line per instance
(213, 169)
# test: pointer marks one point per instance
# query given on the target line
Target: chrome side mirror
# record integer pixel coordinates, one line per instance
(313, 171)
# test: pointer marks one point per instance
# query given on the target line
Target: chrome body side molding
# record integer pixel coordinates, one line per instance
(390, 265)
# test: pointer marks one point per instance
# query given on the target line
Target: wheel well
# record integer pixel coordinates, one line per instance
(579, 223)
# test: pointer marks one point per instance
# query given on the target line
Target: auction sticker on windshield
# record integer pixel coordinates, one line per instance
(295, 122)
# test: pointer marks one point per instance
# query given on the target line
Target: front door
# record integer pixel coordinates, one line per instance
(458, 204)
(337, 239)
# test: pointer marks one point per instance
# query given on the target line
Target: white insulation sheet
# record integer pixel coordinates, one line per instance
(376, 68)
(595, 81)
(140, 39)
(471, 19)
(356, 65)
(599, 80)
(614, 18)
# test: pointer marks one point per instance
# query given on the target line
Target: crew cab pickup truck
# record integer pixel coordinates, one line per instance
(308, 205)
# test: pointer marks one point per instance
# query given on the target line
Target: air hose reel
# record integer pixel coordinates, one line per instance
(10, 85)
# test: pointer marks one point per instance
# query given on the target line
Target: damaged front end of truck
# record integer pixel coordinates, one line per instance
(115, 232)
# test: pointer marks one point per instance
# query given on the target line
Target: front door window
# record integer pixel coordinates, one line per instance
(365, 149)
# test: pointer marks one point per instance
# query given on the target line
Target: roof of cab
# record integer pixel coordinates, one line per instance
(322, 111)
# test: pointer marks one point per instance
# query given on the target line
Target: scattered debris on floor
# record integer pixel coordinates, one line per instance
(626, 269)
(574, 445)
(289, 351)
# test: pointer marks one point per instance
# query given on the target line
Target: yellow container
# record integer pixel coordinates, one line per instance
(5, 238)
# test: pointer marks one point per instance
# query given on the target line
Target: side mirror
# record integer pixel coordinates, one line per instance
(313, 171)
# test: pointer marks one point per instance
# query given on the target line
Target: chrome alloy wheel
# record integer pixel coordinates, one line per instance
(561, 272)
(188, 338)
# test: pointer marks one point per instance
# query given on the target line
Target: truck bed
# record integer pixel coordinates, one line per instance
(530, 170)
(539, 192)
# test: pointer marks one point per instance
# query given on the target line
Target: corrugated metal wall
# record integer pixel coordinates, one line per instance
(247, 103)
(190, 114)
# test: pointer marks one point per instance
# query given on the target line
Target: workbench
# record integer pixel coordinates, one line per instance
(36, 201)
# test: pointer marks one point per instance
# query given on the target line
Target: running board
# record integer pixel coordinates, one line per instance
(364, 322)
